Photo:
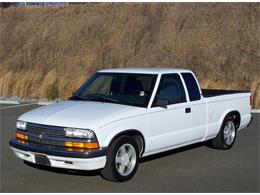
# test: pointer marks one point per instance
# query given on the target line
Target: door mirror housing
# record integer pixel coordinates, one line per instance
(161, 102)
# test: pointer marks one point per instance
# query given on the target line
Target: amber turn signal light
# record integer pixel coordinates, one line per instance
(21, 136)
(89, 145)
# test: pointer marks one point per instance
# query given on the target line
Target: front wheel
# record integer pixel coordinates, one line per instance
(226, 136)
(122, 160)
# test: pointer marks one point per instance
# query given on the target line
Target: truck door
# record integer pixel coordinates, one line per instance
(168, 124)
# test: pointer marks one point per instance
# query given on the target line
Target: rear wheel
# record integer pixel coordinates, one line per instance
(226, 136)
(122, 160)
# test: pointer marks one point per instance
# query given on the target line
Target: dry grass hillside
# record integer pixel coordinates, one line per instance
(40, 46)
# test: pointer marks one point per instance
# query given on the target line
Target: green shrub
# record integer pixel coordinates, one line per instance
(53, 91)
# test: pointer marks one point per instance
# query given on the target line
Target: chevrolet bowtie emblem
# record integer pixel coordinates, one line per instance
(40, 136)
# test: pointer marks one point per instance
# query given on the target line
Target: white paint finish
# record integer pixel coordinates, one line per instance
(80, 114)
(167, 127)
(245, 119)
(199, 117)
(163, 128)
(154, 90)
(220, 106)
(139, 122)
(147, 70)
(60, 162)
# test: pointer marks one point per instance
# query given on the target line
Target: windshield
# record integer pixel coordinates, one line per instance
(121, 88)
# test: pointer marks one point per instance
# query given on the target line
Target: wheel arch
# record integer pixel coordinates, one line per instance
(235, 116)
(137, 135)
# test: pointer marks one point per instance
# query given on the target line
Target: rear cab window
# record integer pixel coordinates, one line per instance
(192, 86)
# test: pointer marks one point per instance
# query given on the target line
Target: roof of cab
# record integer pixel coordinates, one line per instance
(147, 70)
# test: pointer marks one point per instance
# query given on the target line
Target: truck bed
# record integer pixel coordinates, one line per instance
(217, 92)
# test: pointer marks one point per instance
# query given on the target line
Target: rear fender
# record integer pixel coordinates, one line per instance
(226, 112)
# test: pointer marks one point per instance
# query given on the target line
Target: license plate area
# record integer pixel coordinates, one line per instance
(41, 159)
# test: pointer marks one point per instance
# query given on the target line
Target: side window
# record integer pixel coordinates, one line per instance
(192, 86)
(171, 89)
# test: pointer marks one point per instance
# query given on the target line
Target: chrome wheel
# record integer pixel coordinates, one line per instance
(229, 133)
(125, 159)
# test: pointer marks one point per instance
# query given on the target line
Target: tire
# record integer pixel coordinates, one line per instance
(116, 168)
(228, 129)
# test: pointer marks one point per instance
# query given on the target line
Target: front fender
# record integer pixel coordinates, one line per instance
(121, 130)
(105, 134)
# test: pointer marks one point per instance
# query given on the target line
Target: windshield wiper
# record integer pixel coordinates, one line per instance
(103, 98)
(97, 97)
(94, 97)
(78, 97)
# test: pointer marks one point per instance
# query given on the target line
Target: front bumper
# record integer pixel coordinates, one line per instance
(59, 157)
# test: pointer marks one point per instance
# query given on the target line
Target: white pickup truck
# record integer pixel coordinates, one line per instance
(121, 115)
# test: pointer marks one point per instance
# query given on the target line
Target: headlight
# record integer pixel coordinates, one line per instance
(21, 125)
(79, 133)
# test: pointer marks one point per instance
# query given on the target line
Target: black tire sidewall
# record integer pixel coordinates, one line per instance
(112, 156)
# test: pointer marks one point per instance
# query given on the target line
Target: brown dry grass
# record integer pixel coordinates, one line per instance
(40, 45)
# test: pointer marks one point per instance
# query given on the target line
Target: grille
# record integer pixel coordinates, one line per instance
(46, 141)
(45, 134)
(49, 135)
(49, 131)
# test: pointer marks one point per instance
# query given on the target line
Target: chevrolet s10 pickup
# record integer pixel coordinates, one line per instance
(121, 115)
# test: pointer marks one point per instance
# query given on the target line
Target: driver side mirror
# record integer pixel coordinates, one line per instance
(161, 102)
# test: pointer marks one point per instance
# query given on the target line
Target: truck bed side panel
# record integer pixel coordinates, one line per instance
(220, 106)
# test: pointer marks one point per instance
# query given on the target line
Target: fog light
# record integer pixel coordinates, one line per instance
(75, 149)
(21, 136)
(82, 144)
(21, 141)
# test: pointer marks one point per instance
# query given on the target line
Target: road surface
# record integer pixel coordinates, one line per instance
(195, 168)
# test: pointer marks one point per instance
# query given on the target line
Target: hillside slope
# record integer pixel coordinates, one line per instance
(39, 46)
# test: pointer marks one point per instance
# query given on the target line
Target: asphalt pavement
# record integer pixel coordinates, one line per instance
(195, 168)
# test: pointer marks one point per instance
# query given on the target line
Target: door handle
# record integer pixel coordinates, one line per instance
(187, 110)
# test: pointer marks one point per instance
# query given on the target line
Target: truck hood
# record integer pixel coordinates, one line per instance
(80, 114)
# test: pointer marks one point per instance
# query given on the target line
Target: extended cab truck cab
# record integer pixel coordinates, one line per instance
(121, 115)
